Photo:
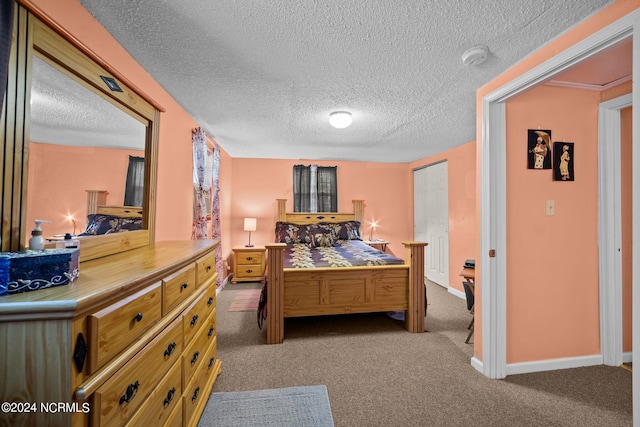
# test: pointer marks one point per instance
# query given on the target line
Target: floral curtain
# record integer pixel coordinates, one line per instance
(215, 212)
(201, 186)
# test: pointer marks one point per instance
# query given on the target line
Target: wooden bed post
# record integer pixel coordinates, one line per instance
(275, 293)
(95, 198)
(358, 209)
(414, 256)
(282, 210)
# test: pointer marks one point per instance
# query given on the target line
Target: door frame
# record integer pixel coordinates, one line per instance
(610, 228)
(492, 179)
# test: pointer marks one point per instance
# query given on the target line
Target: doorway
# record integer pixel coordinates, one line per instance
(431, 219)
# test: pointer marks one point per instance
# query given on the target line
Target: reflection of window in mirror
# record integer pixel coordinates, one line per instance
(78, 142)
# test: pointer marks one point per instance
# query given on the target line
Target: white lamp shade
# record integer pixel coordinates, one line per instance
(250, 224)
(340, 119)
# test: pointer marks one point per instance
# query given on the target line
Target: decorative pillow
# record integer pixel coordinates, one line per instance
(321, 235)
(289, 233)
(100, 224)
(347, 230)
(106, 224)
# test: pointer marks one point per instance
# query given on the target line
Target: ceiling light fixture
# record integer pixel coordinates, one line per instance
(340, 119)
(475, 56)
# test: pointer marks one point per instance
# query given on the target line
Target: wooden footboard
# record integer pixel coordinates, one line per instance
(296, 292)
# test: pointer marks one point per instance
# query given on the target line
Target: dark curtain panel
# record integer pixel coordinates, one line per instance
(6, 28)
(134, 190)
(301, 189)
(327, 189)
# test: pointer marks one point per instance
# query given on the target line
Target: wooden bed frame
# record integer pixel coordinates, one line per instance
(299, 292)
(97, 203)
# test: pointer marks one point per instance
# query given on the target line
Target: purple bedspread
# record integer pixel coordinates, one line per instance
(345, 253)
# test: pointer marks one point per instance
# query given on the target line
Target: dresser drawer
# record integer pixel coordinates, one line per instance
(175, 419)
(197, 313)
(177, 287)
(116, 326)
(165, 398)
(243, 258)
(195, 395)
(120, 397)
(197, 351)
(205, 268)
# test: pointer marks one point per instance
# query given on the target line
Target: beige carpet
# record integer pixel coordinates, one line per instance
(245, 300)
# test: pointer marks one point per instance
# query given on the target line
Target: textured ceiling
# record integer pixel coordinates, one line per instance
(262, 76)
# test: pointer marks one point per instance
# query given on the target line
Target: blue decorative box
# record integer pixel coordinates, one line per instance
(28, 270)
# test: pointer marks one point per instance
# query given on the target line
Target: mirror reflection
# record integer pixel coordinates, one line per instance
(84, 152)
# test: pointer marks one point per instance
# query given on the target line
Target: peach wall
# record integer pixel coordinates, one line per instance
(588, 27)
(461, 170)
(174, 212)
(553, 260)
(59, 176)
(386, 189)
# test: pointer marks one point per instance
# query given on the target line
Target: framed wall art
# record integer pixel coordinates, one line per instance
(539, 149)
(563, 161)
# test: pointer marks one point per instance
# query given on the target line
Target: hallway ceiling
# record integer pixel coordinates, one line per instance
(261, 77)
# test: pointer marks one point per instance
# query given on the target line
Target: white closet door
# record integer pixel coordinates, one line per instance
(431, 220)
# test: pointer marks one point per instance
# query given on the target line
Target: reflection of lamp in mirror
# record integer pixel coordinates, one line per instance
(73, 221)
(249, 225)
(374, 224)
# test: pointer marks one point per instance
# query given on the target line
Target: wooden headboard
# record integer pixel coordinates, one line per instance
(127, 211)
(312, 218)
(97, 203)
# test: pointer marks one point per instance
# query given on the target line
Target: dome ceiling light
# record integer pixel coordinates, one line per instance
(340, 119)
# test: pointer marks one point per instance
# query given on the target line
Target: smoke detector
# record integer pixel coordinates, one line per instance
(475, 56)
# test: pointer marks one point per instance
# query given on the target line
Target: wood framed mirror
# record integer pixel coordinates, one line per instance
(38, 49)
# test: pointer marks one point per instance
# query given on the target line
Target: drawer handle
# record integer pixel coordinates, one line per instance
(194, 359)
(210, 301)
(249, 258)
(138, 317)
(249, 270)
(194, 320)
(170, 348)
(208, 268)
(131, 392)
(184, 286)
(169, 397)
(213, 359)
(195, 394)
(211, 329)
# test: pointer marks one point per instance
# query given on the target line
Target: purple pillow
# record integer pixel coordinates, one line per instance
(347, 230)
(322, 235)
(289, 233)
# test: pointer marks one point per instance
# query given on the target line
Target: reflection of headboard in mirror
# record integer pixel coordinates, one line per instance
(126, 211)
(48, 41)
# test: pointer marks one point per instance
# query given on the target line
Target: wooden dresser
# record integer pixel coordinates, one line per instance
(131, 342)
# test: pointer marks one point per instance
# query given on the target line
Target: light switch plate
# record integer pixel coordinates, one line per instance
(550, 207)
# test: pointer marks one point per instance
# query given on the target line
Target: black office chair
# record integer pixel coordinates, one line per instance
(469, 293)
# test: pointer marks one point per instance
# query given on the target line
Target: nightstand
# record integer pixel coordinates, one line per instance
(378, 244)
(248, 264)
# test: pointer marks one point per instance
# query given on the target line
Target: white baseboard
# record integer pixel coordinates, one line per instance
(477, 363)
(554, 364)
(627, 357)
(457, 293)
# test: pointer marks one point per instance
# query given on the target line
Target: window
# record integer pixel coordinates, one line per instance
(134, 190)
(315, 188)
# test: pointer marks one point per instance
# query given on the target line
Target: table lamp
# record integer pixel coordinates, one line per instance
(249, 225)
(373, 227)
(73, 221)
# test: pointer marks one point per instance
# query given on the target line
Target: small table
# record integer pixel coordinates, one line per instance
(378, 242)
(248, 264)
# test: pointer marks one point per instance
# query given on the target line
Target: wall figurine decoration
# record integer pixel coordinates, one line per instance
(539, 149)
(563, 161)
